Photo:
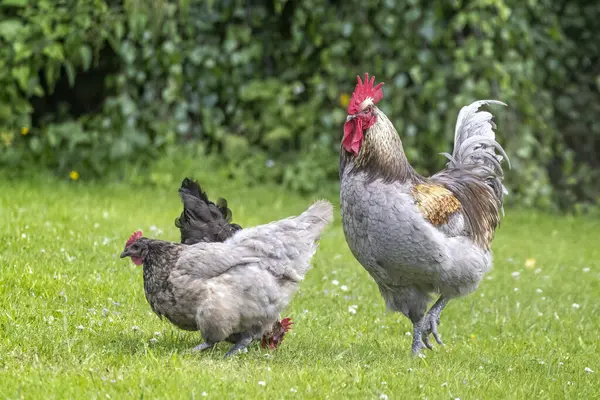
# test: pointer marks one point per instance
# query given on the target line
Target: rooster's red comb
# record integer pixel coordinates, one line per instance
(362, 92)
(136, 235)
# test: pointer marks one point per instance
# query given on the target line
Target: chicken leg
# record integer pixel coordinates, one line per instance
(424, 326)
(243, 340)
(204, 346)
(432, 321)
(417, 343)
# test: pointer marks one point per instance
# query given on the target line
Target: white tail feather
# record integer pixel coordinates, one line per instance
(475, 140)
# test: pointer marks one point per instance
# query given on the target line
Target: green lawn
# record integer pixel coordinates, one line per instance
(74, 322)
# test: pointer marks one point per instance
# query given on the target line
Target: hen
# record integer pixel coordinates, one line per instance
(419, 235)
(232, 290)
(204, 221)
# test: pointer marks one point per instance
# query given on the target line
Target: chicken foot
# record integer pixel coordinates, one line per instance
(204, 346)
(243, 340)
(427, 325)
(432, 321)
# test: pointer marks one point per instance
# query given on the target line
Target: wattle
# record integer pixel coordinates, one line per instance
(137, 260)
(353, 136)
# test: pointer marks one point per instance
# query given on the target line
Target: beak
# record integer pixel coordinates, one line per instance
(350, 118)
(124, 254)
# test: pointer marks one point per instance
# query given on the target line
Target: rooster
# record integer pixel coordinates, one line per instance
(419, 235)
(232, 290)
(204, 221)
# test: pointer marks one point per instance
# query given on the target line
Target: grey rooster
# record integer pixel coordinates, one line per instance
(232, 290)
(419, 235)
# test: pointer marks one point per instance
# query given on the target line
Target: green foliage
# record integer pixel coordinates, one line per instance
(264, 84)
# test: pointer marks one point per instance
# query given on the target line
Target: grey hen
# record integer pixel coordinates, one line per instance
(204, 221)
(419, 235)
(232, 290)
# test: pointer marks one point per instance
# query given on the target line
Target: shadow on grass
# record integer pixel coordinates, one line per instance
(290, 352)
(161, 346)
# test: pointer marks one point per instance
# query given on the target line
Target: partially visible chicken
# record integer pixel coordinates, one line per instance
(204, 221)
(418, 235)
(273, 338)
(233, 290)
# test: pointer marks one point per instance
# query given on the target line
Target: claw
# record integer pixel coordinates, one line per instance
(425, 338)
(436, 336)
(430, 327)
(416, 348)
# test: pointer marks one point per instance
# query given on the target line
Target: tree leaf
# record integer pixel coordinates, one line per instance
(22, 75)
(86, 57)
(71, 73)
(10, 29)
(54, 51)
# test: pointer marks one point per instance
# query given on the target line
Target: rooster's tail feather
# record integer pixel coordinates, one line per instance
(475, 144)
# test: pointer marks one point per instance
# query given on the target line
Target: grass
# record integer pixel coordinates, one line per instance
(74, 322)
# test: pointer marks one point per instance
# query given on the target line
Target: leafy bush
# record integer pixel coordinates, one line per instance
(263, 85)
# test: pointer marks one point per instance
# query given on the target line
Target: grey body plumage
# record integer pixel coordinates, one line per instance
(408, 254)
(236, 289)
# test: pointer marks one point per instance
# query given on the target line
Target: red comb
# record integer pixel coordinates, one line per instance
(287, 324)
(274, 338)
(362, 92)
(136, 235)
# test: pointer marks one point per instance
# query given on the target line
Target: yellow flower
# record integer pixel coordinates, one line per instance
(344, 99)
(24, 130)
(473, 336)
(74, 175)
(530, 263)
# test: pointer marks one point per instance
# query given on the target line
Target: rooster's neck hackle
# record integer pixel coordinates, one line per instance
(381, 155)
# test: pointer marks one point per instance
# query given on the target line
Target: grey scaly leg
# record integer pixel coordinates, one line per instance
(243, 341)
(432, 321)
(417, 343)
(204, 346)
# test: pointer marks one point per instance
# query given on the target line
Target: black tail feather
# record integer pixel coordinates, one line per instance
(201, 219)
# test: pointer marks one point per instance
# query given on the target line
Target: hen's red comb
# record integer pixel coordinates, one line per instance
(136, 235)
(362, 92)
